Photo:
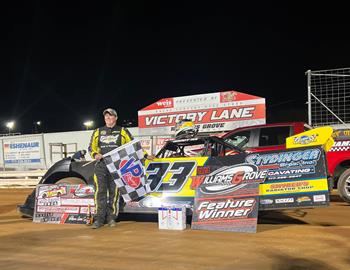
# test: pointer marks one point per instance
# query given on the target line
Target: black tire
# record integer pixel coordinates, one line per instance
(344, 186)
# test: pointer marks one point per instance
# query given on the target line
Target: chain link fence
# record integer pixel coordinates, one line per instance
(329, 97)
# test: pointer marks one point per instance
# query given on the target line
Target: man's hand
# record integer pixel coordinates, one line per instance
(150, 157)
(98, 156)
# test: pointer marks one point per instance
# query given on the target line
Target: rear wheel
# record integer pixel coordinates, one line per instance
(344, 185)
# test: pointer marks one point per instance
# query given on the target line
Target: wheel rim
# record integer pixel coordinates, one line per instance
(347, 186)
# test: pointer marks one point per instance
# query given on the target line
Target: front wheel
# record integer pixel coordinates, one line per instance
(344, 186)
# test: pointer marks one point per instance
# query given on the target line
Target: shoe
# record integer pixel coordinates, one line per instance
(112, 223)
(96, 225)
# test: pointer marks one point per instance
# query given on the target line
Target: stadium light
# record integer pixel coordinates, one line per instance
(10, 125)
(37, 124)
(88, 124)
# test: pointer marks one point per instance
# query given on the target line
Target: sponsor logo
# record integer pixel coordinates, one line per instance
(23, 145)
(290, 172)
(266, 201)
(304, 199)
(341, 143)
(289, 186)
(109, 138)
(131, 172)
(103, 132)
(228, 96)
(319, 198)
(228, 179)
(286, 159)
(305, 139)
(284, 200)
(203, 170)
(165, 103)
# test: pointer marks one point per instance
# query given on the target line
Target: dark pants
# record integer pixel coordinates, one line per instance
(106, 194)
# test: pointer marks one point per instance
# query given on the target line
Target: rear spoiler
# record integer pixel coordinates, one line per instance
(321, 136)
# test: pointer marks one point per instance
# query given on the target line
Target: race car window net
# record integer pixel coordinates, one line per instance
(239, 139)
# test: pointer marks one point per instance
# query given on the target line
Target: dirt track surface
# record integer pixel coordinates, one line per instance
(284, 241)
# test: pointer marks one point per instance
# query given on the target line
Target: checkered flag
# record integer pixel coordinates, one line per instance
(124, 164)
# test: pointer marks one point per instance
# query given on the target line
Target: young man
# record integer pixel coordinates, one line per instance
(103, 140)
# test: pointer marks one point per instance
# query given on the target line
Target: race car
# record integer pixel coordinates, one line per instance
(291, 175)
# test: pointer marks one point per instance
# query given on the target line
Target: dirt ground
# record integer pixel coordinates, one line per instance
(284, 241)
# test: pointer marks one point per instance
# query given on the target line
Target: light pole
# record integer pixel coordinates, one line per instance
(10, 125)
(88, 124)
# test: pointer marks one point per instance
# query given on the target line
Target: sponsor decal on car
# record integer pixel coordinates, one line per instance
(228, 179)
(305, 139)
(284, 200)
(319, 198)
(292, 171)
(286, 159)
(266, 201)
(290, 187)
(304, 199)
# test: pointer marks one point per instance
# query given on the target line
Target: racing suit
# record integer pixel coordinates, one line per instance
(103, 140)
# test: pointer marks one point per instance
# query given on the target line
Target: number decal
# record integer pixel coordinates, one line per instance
(180, 172)
(156, 171)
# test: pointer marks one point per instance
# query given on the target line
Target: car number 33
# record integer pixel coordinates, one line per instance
(167, 176)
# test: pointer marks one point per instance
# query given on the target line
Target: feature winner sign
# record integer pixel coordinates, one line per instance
(64, 204)
(227, 199)
(214, 112)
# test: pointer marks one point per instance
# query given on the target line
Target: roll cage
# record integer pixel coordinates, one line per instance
(201, 146)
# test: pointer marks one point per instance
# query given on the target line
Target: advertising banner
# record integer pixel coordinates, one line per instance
(214, 112)
(296, 178)
(64, 204)
(227, 199)
(24, 152)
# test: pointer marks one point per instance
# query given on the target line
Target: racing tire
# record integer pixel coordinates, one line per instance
(71, 180)
(344, 186)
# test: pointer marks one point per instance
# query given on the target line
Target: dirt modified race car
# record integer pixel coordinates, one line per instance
(293, 178)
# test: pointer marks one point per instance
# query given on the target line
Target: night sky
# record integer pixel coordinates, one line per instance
(64, 62)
